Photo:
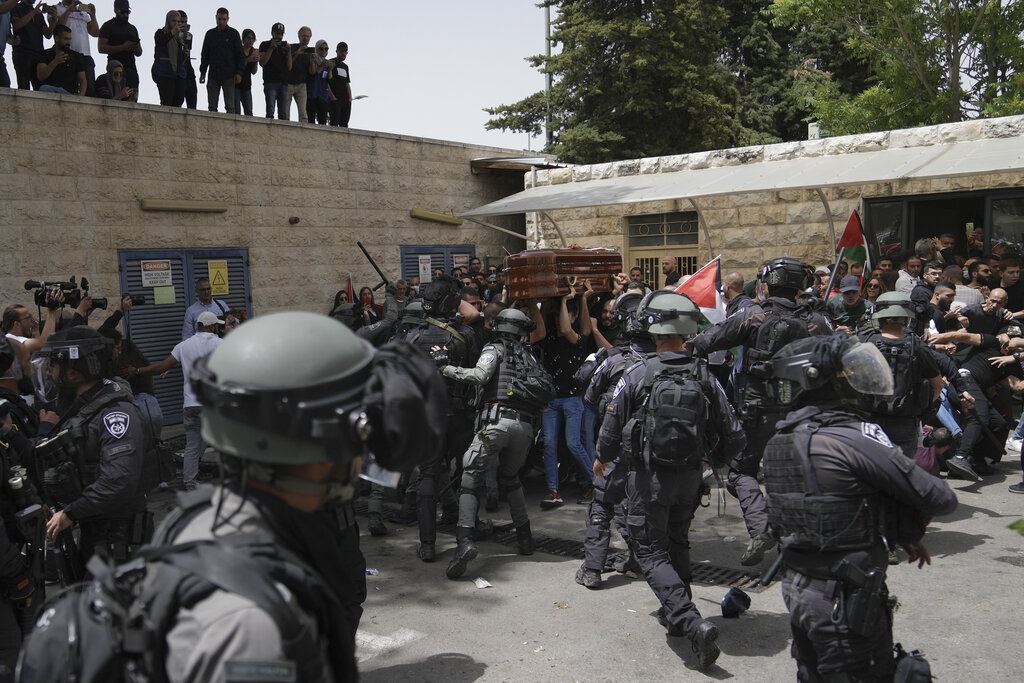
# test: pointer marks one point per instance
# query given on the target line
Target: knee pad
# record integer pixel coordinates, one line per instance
(600, 515)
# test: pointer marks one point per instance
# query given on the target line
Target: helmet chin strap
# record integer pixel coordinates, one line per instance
(329, 490)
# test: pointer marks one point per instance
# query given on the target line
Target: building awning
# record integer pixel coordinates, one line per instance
(965, 158)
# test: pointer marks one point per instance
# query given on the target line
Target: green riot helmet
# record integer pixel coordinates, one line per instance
(78, 348)
(414, 309)
(893, 305)
(786, 276)
(664, 312)
(514, 323)
(827, 369)
(286, 389)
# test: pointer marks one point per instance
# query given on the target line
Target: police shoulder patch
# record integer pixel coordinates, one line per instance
(875, 433)
(116, 423)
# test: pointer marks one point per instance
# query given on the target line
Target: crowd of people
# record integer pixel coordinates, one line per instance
(317, 81)
(627, 395)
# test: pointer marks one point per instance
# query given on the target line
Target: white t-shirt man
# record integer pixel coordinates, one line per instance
(192, 349)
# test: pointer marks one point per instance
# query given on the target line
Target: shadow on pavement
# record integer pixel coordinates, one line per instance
(942, 543)
(447, 666)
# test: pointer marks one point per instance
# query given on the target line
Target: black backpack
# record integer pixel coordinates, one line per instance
(779, 328)
(530, 386)
(912, 394)
(670, 428)
(113, 628)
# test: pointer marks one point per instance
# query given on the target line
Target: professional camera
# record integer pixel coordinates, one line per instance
(72, 295)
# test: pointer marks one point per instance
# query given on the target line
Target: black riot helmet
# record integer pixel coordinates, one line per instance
(513, 323)
(78, 348)
(826, 369)
(441, 296)
(787, 276)
(624, 311)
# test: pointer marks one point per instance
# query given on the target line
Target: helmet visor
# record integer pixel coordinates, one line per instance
(42, 378)
(867, 372)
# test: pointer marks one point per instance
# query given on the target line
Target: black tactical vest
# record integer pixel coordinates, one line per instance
(797, 507)
(443, 335)
(519, 374)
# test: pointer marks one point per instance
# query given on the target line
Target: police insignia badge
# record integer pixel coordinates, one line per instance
(875, 433)
(116, 423)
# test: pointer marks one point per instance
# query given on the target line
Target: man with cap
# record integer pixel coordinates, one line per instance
(340, 108)
(119, 40)
(185, 354)
(222, 55)
(276, 60)
(847, 308)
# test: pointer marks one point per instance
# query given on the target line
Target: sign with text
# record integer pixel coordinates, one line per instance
(156, 273)
(426, 272)
(218, 277)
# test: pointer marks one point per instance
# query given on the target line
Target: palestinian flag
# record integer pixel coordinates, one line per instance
(855, 241)
(704, 287)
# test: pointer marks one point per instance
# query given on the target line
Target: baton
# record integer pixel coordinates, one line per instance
(835, 272)
(383, 277)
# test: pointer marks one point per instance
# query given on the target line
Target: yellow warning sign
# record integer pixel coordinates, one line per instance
(218, 277)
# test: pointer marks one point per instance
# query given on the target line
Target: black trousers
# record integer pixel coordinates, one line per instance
(172, 90)
(606, 506)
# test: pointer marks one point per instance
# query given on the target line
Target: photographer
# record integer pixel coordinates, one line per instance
(113, 85)
(119, 40)
(29, 30)
(80, 17)
(170, 59)
(276, 60)
(22, 328)
(61, 70)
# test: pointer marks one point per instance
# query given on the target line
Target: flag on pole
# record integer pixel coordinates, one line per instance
(855, 241)
(704, 287)
(351, 290)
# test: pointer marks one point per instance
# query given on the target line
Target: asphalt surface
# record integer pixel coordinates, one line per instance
(534, 623)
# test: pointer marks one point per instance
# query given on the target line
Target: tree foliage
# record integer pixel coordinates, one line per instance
(932, 61)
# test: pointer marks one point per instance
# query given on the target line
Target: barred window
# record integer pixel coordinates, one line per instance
(678, 228)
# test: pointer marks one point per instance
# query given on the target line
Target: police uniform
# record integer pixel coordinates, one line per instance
(759, 416)
(111, 508)
(835, 486)
(458, 348)
(505, 432)
(610, 489)
(913, 366)
(661, 500)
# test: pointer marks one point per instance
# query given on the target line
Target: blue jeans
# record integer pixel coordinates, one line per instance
(54, 89)
(589, 430)
(277, 95)
(243, 101)
(947, 415)
(571, 411)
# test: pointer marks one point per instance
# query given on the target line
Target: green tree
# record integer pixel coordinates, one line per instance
(631, 78)
(933, 61)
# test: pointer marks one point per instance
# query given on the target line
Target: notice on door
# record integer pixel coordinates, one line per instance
(218, 277)
(424, 268)
(156, 273)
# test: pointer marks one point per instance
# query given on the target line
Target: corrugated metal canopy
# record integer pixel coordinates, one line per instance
(860, 168)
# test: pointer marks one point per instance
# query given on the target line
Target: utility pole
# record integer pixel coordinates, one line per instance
(547, 76)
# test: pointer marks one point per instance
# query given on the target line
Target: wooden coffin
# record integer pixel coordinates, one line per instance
(542, 273)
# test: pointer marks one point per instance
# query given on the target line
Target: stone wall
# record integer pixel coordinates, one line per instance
(751, 227)
(73, 173)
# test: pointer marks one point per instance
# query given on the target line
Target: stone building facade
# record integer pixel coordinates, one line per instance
(77, 173)
(750, 227)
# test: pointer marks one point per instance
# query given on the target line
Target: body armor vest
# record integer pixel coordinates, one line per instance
(518, 368)
(912, 394)
(441, 334)
(781, 325)
(812, 519)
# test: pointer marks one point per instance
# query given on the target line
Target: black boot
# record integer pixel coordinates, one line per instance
(525, 539)
(463, 554)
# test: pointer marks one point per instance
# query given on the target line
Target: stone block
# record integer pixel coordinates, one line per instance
(806, 212)
(1003, 127)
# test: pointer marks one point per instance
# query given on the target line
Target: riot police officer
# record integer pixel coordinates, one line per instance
(632, 345)
(515, 389)
(762, 329)
(100, 432)
(917, 382)
(838, 491)
(448, 342)
(668, 414)
(291, 437)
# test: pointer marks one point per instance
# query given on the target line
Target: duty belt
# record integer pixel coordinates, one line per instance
(493, 412)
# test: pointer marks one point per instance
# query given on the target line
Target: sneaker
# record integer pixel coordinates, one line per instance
(463, 555)
(552, 501)
(1017, 488)
(492, 501)
(704, 645)
(426, 552)
(756, 549)
(376, 525)
(585, 497)
(959, 468)
(1013, 445)
(588, 578)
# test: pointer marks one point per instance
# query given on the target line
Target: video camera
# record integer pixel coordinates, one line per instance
(73, 293)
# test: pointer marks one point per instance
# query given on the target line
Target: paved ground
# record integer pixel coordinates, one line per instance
(536, 624)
